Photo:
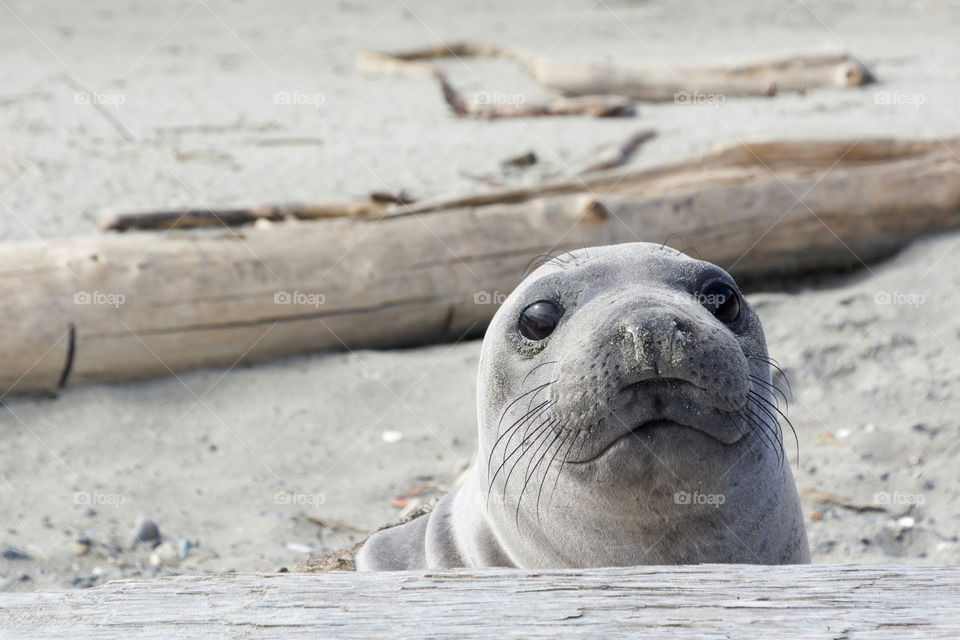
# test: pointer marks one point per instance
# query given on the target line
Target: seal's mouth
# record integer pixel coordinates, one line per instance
(659, 385)
(658, 402)
(636, 432)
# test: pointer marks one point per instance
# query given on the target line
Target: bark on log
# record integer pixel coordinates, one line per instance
(705, 601)
(116, 307)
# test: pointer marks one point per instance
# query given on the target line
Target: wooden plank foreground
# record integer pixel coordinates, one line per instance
(708, 601)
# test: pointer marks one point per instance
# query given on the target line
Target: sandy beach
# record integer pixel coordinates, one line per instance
(257, 468)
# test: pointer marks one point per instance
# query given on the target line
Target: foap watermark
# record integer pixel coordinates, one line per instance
(299, 499)
(697, 498)
(898, 499)
(99, 297)
(489, 297)
(899, 297)
(300, 98)
(95, 97)
(711, 299)
(99, 498)
(299, 298)
(899, 99)
(695, 97)
(498, 98)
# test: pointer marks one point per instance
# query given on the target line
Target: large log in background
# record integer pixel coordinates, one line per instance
(430, 272)
(706, 601)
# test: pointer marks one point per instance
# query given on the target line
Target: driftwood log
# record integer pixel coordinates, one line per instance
(121, 306)
(798, 73)
(707, 601)
(598, 106)
(191, 217)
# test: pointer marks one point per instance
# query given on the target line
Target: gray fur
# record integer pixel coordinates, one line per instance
(562, 480)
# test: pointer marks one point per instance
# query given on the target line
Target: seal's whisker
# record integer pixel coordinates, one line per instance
(796, 439)
(528, 474)
(536, 416)
(541, 429)
(544, 258)
(546, 470)
(774, 389)
(534, 396)
(761, 428)
(517, 399)
(511, 431)
(542, 436)
(563, 461)
(542, 364)
(764, 407)
(663, 246)
(538, 431)
(776, 365)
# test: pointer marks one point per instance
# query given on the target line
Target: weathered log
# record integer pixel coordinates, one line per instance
(599, 106)
(115, 307)
(709, 84)
(706, 601)
(703, 84)
(188, 218)
(737, 163)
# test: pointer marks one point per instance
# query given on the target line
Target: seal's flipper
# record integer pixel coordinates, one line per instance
(396, 548)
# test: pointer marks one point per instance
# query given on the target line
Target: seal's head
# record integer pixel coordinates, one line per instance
(627, 416)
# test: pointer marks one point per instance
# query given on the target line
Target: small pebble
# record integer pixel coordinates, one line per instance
(146, 530)
(302, 548)
(164, 553)
(80, 546)
(906, 522)
(12, 553)
(527, 159)
(392, 436)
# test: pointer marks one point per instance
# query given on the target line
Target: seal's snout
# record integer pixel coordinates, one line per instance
(654, 345)
(667, 336)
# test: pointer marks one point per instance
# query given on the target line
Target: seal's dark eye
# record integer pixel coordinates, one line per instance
(722, 301)
(539, 320)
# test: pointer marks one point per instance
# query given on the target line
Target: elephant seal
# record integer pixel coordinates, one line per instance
(626, 417)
